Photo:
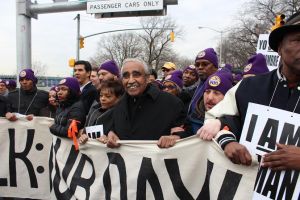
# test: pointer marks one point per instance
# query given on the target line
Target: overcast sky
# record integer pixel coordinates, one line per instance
(54, 35)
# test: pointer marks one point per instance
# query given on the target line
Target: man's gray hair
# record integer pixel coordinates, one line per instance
(136, 60)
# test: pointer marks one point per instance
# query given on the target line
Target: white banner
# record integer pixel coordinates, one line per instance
(264, 127)
(122, 6)
(193, 169)
(271, 56)
(24, 155)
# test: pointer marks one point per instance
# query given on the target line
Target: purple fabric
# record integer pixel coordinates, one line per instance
(110, 66)
(71, 83)
(28, 74)
(192, 68)
(4, 81)
(54, 88)
(12, 83)
(228, 66)
(220, 81)
(176, 78)
(210, 55)
(257, 64)
(238, 77)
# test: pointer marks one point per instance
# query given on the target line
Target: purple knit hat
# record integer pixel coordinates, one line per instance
(176, 78)
(4, 81)
(210, 55)
(192, 68)
(257, 64)
(228, 67)
(219, 81)
(12, 83)
(54, 88)
(110, 66)
(28, 74)
(71, 83)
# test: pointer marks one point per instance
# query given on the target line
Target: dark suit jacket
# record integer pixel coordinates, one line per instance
(88, 95)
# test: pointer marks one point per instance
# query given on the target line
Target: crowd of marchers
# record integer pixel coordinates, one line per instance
(130, 103)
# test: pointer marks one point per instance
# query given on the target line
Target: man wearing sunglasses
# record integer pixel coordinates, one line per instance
(206, 63)
(145, 112)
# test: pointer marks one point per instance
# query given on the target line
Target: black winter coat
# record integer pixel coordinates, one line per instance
(99, 116)
(31, 102)
(3, 106)
(149, 116)
(64, 116)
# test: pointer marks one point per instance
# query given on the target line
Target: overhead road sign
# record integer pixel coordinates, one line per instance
(123, 6)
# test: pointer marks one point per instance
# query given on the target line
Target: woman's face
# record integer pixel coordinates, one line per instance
(170, 88)
(107, 98)
(63, 92)
(52, 98)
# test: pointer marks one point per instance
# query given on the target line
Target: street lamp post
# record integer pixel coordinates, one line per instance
(218, 31)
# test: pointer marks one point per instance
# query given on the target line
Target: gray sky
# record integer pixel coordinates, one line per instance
(54, 35)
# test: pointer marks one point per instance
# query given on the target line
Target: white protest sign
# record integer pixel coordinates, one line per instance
(264, 127)
(94, 131)
(124, 5)
(24, 155)
(271, 56)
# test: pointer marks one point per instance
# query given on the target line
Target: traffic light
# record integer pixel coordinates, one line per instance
(172, 36)
(81, 42)
(279, 21)
(72, 62)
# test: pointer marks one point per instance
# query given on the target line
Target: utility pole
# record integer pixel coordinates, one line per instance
(78, 36)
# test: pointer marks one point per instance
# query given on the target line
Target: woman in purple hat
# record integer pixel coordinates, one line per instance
(69, 108)
(173, 84)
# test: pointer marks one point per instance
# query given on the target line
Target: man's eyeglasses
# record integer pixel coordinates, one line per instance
(134, 74)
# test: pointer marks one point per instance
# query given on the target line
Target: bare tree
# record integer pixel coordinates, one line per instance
(152, 45)
(157, 41)
(39, 68)
(118, 47)
(257, 18)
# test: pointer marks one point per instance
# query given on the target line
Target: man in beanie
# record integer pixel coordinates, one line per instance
(27, 100)
(278, 88)
(70, 107)
(3, 88)
(257, 64)
(190, 79)
(167, 69)
(108, 70)
(215, 89)
(144, 112)
(82, 72)
(207, 64)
